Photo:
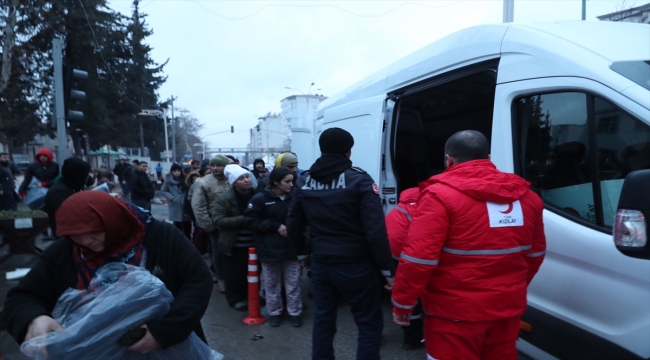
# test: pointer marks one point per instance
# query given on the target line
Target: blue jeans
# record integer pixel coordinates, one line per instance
(356, 283)
(125, 189)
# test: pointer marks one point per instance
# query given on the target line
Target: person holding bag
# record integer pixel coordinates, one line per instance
(267, 216)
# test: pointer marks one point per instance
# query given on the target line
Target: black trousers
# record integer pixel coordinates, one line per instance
(143, 203)
(356, 283)
(185, 227)
(235, 269)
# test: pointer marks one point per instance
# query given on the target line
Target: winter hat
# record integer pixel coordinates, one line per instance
(219, 160)
(176, 167)
(234, 172)
(335, 141)
(286, 159)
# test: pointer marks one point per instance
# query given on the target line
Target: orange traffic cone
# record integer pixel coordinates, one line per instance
(254, 317)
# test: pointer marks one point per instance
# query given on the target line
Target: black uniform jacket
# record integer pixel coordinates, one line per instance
(140, 186)
(345, 219)
(265, 213)
(184, 273)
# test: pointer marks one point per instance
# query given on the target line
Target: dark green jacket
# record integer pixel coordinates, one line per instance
(228, 219)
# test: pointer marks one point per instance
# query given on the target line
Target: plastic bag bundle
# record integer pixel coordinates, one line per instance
(35, 197)
(120, 297)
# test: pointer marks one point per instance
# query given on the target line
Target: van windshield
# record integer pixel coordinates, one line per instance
(637, 71)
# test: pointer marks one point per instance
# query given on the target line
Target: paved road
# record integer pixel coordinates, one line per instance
(227, 333)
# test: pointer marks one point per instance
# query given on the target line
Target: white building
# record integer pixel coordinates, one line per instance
(269, 135)
(299, 115)
(639, 14)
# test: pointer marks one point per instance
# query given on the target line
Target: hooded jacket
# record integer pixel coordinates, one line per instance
(45, 172)
(256, 172)
(140, 186)
(475, 243)
(265, 214)
(399, 220)
(341, 207)
(74, 176)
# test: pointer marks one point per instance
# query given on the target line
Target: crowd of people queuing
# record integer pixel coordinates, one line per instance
(458, 276)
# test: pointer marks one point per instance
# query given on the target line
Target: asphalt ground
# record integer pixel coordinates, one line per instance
(226, 332)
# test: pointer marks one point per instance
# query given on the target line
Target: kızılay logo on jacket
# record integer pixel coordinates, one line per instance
(505, 215)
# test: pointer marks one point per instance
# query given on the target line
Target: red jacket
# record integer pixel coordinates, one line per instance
(475, 243)
(399, 219)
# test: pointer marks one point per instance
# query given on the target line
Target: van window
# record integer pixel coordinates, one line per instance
(577, 149)
(426, 119)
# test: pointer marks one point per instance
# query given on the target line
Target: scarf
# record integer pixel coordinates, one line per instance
(328, 167)
(123, 225)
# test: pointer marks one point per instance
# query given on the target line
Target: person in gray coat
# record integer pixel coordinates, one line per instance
(174, 189)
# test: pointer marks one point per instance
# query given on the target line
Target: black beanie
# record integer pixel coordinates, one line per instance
(335, 141)
(176, 167)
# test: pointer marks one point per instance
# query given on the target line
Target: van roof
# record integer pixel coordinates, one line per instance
(568, 48)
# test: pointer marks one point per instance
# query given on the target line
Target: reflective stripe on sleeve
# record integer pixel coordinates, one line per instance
(487, 252)
(418, 261)
(536, 254)
(403, 211)
(416, 317)
(395, 257)
(386, 273)
(405, 307)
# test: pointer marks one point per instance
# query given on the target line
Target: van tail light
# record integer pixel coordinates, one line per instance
(630, 229)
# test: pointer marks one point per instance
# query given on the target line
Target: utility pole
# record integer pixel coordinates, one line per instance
(173, 132)
(508, 11)
(59, 106)
(584, 10)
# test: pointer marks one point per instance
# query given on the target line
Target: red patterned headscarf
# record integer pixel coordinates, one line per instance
(89, 212)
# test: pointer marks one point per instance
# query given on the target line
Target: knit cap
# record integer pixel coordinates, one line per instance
(286, 159)
(234, 172)
(219, 160)
(335, 141)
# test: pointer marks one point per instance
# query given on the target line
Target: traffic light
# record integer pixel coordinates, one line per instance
(73, 78)
(232, 129)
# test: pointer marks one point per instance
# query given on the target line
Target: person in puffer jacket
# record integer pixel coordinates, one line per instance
(475, 243)
(44, 169)
(398, 222)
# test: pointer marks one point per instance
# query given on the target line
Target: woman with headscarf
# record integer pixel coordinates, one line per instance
(267, 216)
(174, 189)
(98, 229)
(235, 237)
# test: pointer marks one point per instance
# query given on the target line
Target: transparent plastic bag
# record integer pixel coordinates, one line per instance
(120, 297)
(35, 197)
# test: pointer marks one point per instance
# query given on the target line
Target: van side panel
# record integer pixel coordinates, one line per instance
(364, 120)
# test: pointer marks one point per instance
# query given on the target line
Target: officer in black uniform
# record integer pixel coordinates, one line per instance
(340, 204)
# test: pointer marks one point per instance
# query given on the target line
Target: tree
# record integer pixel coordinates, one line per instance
(21, 81)
(110, 47)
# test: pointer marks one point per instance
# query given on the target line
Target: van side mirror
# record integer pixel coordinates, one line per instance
(631, 223)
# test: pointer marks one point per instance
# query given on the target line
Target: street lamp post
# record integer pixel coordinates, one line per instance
(162, 115)
(216, 133)
(308, 91)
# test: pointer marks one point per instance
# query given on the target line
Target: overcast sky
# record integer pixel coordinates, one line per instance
(230, 61)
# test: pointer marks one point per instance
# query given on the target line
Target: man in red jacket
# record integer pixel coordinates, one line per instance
(475, 243)
(398, 222)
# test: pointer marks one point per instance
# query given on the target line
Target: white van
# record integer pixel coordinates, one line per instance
(565, 105)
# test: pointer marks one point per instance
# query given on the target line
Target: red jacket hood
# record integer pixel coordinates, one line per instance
(45, 152)
(409, 195)
(481, 180)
